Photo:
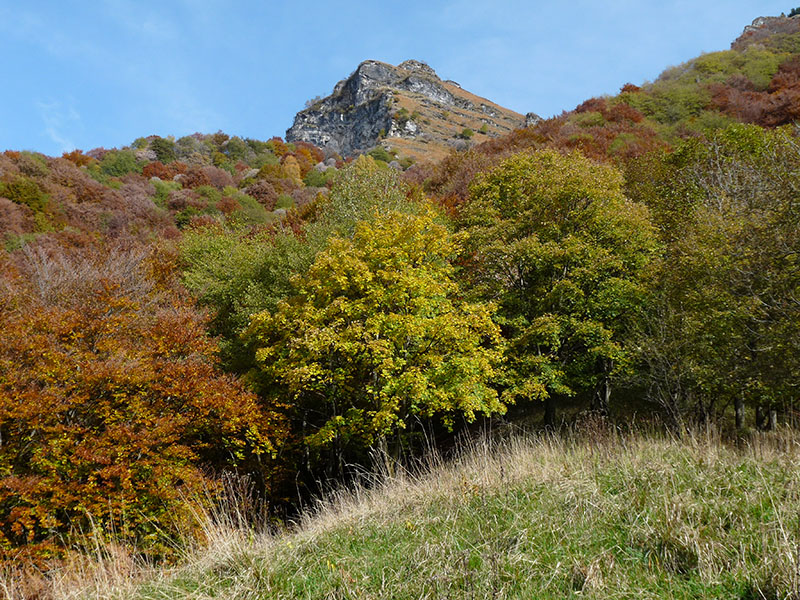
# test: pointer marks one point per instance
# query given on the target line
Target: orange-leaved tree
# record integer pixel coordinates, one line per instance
(112, 413)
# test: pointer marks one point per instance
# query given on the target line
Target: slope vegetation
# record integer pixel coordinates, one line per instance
(605, 517)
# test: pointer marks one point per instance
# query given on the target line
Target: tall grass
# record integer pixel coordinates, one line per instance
(602, 515)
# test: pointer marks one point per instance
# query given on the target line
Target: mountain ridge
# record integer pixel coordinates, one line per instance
(407, 108)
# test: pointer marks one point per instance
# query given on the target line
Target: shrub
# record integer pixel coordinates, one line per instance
(117, 163)
(251, 212)
(284, 201)
(317, 178)
(163, 189)
(264, 192)
(380, 153)
(78, 158)
(25, 191)
(113, 411)
(210, 193)
(164, 149)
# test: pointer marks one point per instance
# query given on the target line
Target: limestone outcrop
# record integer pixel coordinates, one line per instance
(407, 108)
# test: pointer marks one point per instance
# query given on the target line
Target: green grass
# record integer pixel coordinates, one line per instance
(610, 517)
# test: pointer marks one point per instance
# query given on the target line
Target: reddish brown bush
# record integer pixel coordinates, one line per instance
(195, 176)
(78, 158)
(228, 205)
(157, 169)
(219, 178)
(112, 410)
(778, 105)
(263, 191)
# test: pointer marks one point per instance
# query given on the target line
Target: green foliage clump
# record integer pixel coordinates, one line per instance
(285, 201)
(670, 101)
(250, 211)
(16, 241)
(682, 93)
(316, 178)
(236, 149)
(185, 216)
(25, 191)
(361, 192)
(406, 162)
(164, 149)
(163, 189)
(402, 116)
(117, 163)
(784, 42)
(722, 300)
(554, 240)
(239, 274)
(380, 153)
(209, 193)
(33, 164)
(588, 119)
(466, 134)
(621, 142)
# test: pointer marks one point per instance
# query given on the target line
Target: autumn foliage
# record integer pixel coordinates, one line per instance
(112, 413)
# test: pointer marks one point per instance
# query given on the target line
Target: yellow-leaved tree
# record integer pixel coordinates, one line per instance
(375, 335)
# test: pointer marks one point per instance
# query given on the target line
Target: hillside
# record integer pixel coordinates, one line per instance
(605, 517)
(177, 311)
(756, 82)
(407, 109)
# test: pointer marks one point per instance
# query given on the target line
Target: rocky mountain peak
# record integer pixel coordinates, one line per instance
(406, 107)
(764, 27)
(419, 67)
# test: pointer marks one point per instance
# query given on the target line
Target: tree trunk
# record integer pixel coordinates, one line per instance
(773, 420)
(602, 397)
(738, 407)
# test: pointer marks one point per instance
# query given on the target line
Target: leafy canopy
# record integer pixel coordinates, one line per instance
(556, 243)
(376, 333)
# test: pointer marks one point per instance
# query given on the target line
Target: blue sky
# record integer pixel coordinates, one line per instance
(102, 73)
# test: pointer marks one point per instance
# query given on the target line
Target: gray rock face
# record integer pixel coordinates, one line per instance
(360, 109)
(532, 119)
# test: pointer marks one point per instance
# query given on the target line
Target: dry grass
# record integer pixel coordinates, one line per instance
(598, 516)
(441, 125)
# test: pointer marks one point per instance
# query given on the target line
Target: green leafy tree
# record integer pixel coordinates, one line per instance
(376, 335)
(117, 163)
(558, 246)
(237, 272)
(164, 149)
(728, 284)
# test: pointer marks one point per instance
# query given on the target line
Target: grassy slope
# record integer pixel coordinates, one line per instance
(610, 518)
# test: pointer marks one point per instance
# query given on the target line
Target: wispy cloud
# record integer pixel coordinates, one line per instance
(57, 118)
